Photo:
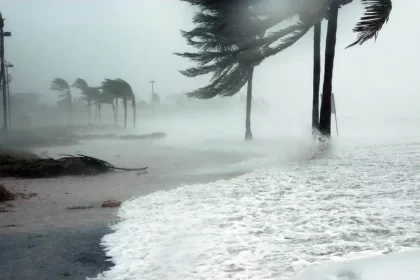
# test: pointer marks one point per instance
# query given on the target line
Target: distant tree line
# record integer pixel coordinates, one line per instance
(108, 93)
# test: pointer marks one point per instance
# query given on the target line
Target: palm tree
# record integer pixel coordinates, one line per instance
(325, 116)
(222, 40)
(121, 89)
(375, 16)
(106, 97)
(3, 74)
(90, 94)
(311, 15)
(63, 87)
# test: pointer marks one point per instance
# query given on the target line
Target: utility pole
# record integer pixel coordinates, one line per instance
(3, 73)
(3, 70)
(8, 80)
(153, 89)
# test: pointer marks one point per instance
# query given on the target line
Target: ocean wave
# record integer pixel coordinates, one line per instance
(272, 223)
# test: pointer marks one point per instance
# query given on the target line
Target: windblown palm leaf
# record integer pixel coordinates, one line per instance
(112, 86)
(106, 97)
(59, 84)
(94, 93)
(63, 88)
(225, 35)
(121, 89)
(80, 84)
(376, 14)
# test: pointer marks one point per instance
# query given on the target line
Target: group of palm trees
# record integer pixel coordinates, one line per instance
(110, 91)
(233, 37)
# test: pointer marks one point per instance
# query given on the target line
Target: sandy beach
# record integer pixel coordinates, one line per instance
(52, 242)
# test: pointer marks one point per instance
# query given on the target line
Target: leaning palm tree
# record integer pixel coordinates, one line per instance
(121, 89)
(375, 16)
(106, 97)
(311, 15)
(63, 87)
(89, 94)
(222, 33)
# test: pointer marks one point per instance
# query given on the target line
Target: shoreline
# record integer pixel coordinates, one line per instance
(62, 249)
(48, 241)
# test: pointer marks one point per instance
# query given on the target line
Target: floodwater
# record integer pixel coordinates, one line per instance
(297, 206)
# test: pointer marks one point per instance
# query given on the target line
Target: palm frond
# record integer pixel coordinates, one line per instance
(227, 84)
(106, 97)
(204, 58)
(117, 87)
(80, 84)
(231, 39)
(286, 42)
(111, 86)
(59, 84)
(376, 14)
(273, 37)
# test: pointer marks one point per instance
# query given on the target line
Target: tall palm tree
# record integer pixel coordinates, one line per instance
(121, 89)
(311, 15)
(3, 74)
(221, 33)
(376, 14)
(325, 116)
(63, 87)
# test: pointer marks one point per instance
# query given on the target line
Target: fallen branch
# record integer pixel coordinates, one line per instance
(35, 167)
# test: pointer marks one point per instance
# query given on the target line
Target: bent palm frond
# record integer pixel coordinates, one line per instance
(376, 14)
(59, 84)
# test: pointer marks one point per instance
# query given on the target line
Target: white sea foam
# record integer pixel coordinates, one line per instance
(389, 267)
(273, 223)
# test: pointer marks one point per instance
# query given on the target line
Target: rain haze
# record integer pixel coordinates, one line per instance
(136, 40)
(165, 187)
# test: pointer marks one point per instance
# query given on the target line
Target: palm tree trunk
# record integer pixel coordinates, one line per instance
(113, 110)
(248, 133)
(116, 111)
(3, 74)
(99, 112)
(325, 116)
(70, 109)
(96, 111)
(89, 111)
(316, 77)
(125, 111)
(134, 113)
(8, 99)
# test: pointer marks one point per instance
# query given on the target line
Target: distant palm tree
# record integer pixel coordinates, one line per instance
(121, 89)
(63, 87)
(90, 94)
(106, 97)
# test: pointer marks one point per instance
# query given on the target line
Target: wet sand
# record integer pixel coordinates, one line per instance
(41, 239)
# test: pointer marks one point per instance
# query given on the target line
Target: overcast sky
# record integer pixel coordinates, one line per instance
(135, 40)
